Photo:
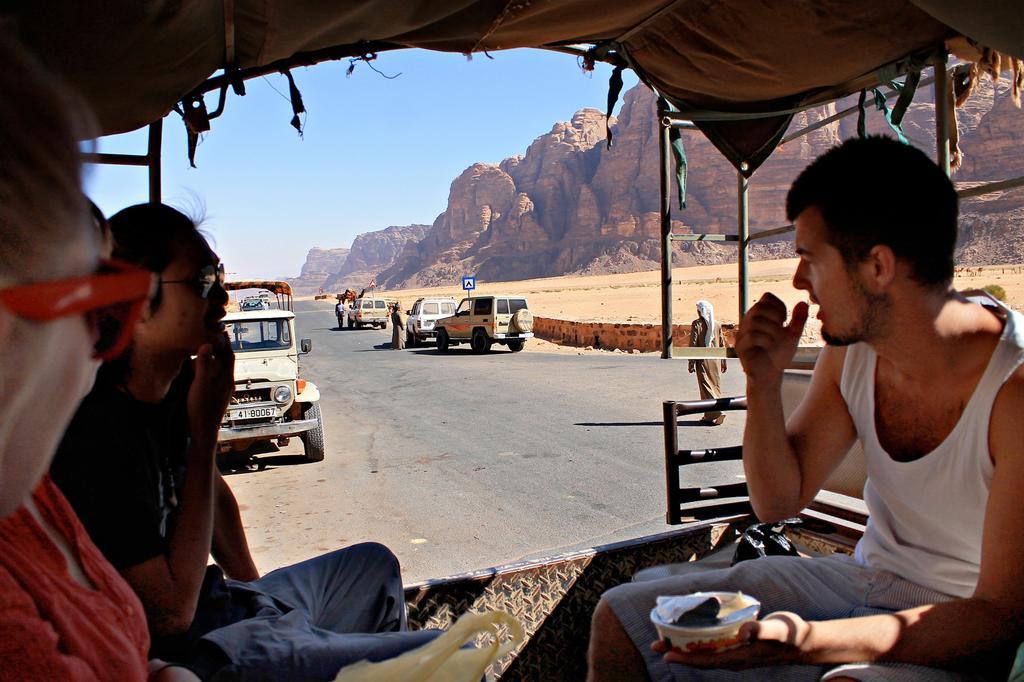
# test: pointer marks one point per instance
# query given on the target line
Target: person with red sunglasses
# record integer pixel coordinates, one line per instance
(65, 612)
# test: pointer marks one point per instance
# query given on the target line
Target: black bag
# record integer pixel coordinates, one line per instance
(763, 539)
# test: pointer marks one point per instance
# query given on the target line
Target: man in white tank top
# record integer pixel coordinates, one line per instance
(932, 385)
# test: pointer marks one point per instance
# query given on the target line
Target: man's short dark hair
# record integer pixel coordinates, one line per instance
(148, 235)
(877, 190)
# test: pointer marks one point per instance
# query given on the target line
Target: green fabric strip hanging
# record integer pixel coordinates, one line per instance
(614, 88)
(862, 130)
(907, 91)
(881, 105)
(675, 138)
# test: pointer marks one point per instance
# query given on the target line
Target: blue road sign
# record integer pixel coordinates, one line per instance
(469, 282)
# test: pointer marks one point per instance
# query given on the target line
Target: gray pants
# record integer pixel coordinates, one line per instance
(309, 620)
(816, 589)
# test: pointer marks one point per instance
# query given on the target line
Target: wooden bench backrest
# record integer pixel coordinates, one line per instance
(848, 478)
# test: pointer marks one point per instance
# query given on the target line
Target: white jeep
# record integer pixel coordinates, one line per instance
(270, 402)
(419, 326)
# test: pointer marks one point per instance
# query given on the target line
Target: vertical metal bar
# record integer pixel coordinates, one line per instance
(744, 241)
(156, 129)
(666, 241)
(942, 112)
(668, 414)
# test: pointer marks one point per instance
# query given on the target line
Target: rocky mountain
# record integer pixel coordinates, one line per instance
(371, 253)
(320, 264)
(569, 204)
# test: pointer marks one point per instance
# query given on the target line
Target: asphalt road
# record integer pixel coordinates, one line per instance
(462, 461)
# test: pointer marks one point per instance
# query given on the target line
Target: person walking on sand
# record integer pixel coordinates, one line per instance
(397, 328)
(705, 333)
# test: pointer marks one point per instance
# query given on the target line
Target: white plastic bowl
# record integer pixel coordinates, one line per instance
(704, 639)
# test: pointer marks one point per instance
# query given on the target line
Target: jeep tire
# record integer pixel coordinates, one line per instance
(480, 343)
(515, 345)
(442, 341)
(313, 440)
(410, 340)
(522, 321)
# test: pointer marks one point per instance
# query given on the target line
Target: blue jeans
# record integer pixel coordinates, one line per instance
(816, 589)
(307, 621)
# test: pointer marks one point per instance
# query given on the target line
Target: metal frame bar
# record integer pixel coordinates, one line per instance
(773, 232)
(942, 111)
(150, 160)
(705, 237)
(116, 159)
(743, 230)
(156, 131)
(666, 241)
(990, 187)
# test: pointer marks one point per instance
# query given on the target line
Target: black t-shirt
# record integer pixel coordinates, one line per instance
(120, 465)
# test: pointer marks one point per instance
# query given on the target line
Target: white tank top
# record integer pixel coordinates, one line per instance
(926, 516)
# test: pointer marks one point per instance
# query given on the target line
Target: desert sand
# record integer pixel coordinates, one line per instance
(635, 297)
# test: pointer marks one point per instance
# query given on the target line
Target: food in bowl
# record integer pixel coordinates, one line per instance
(703, 621)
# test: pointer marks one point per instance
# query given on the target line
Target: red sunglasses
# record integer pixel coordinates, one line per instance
(111, 300)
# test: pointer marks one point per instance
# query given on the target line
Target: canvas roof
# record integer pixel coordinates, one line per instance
(271, 285)
(134, 59)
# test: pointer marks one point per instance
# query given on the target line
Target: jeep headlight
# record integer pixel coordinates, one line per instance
(282, 394)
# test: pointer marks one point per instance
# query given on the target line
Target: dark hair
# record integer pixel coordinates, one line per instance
(876, 190)
(150, 235)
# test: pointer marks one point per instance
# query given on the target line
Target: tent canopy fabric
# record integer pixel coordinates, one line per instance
(133, 60)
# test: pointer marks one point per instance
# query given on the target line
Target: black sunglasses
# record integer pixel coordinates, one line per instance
(204, 282)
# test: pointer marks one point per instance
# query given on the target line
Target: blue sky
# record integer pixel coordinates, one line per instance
(376, 151)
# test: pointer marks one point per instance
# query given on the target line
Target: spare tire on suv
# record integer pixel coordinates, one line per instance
(522, 321)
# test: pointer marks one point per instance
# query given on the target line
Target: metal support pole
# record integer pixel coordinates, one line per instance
(942, 112)
(744, 235)
(670, 418)
(156, 130)
(666, 241)
(116, 159)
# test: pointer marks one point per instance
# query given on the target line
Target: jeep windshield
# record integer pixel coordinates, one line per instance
(250, 335)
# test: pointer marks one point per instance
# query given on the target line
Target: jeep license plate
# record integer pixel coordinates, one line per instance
(252, 413)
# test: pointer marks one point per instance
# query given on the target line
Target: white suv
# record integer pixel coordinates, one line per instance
(425, 311)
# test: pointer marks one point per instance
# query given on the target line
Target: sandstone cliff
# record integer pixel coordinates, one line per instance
(571, 205)
(320, 264)
(371, 253)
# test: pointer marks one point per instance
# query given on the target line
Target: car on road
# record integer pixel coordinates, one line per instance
(270, 402)
(419, 326)
(483, 321)
(255, 303)
(371, 311)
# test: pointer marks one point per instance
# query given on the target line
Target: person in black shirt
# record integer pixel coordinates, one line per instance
(138, 465)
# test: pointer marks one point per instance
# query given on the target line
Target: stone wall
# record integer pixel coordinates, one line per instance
(615, 335)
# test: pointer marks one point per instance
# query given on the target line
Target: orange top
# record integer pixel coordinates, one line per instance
(51, 626)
